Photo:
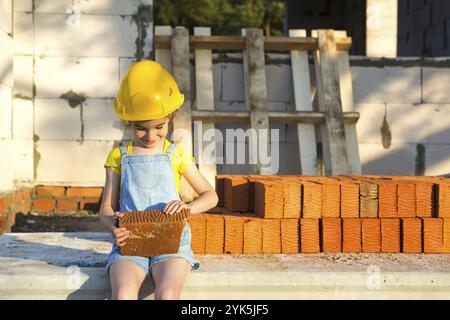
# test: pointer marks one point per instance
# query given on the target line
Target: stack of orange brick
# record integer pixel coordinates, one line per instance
(311, 214)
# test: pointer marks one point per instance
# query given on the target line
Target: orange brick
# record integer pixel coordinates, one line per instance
(271, 229)
(312, 200)
(411, 235)
(443, 193)
(331, 200)
(90, 204)
(368, 197)
(424, 199)
(371, 235)
(253, 235)
(234, 233)
(390, 235)
(43, 205)
(269, 199)
(67, 205)
(349, 200)
(219, 179)
(446, 235)
(290, 235)
(387, 192)
(87, 192)
(406, 199)
(50, 191)
(197, 222)
(351, 235)
(433, 235)
(215, 233)
(4, 204)
(292, 202)
(309, 235)
(236, 193)
(331, 235)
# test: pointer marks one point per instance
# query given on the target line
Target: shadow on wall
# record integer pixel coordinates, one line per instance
(90, 263)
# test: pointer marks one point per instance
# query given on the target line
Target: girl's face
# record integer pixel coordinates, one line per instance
(149, 134)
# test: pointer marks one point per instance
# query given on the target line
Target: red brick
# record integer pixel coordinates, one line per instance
(309, 235)
(351, 235)
(4, 204)
(390, 235)
(411, 235)
(87, 192)
(236, 193)
(50, 191)
(290, 235)
(331, 200)
(331, 235)
(90, 204)
(215, 233)
(433, 235)
(269, 199)
(371, 235)
(253, 235)
(271, 229)
(406, 199)
(43, 205)
(67, 205)
(197, 222)
(312, 200)
(234, 233)
(219, 179)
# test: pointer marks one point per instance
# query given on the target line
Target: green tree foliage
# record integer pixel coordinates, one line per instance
(225, 17)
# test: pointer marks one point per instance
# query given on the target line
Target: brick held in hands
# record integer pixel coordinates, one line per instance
(443, 194)
(411, 235)
(349, 200)
(269, 199)
(387, 193)
(390, 235)
(236, 193)
(271, 229)
(197, 223)
(424, 199)
(331, 234)
(215, 233)
(312, 200)
(406, 199)
(433, 235)
(371, 235)
(351, 235)
(331, 200)
(152, 232)
(290, 235)
(368, 197)
(234, 233)
(309, 235)
(253, 235)
(292, 202)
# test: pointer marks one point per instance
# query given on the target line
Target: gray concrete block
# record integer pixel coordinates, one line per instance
(386, 85)
(233, 82)
(437, 159)
(6, 59)
(6, 13)
(5, 112)
(23, 6)
(435, 85)
(23, 41)
(23, 77)
(279, 82)
(399, 159)
(100, 121)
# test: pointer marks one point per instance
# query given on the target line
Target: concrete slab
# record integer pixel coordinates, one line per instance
(70, 266)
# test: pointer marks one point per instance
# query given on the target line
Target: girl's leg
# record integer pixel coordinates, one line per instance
(126, 280)
(169, 277)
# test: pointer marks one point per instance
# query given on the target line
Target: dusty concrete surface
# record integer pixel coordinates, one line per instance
(70, 266)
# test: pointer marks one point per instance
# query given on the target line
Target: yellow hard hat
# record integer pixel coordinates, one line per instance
(147, 92)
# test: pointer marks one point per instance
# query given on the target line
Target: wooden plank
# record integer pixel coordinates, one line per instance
(302, 95)
(346, 90)
(256, 94)
(204, 101)
(163, 55)
(308, 117)
(330, 102)
(238, 43)
(182, 121)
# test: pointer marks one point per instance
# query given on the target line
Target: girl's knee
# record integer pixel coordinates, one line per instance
(167, 293)
(125, 293)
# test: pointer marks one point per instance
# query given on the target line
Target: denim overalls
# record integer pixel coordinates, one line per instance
(147, 183)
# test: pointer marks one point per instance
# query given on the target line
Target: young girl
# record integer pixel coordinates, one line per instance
(145, 174)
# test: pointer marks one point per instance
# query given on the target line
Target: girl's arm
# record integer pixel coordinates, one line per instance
(207, 196)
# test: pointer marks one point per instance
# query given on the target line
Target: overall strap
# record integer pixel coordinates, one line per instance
(170, 149)
(123, 149)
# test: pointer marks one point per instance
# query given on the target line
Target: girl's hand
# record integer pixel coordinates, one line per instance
(120, 234)
(175, 206)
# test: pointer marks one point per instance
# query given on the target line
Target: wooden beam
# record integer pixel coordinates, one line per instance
(238, 43)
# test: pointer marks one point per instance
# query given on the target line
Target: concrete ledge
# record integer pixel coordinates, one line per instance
(70, 266)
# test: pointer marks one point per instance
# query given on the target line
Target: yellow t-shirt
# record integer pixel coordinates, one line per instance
(179, 157)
